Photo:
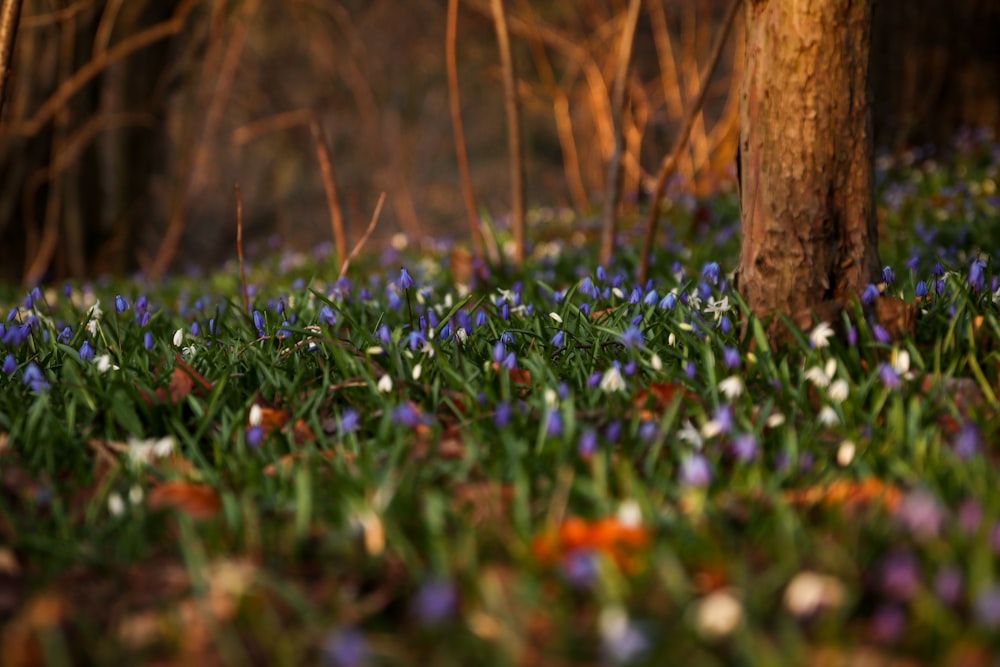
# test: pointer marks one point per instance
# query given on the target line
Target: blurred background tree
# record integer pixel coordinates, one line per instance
(128, 121)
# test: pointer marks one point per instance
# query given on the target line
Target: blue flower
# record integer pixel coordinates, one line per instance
(880, 334)
(731, 358)
(141, 305)
(744, 447)
(711, 272)
(86, 351)
(404, 414)
(9, 365)
(632, 338)
(436, 602)
(888, 275)
(148, 341)
(554, 425)
(501, 418)
(346, 648)
(559, 339)
(255, 436)
(602, 274)
(889, 377)
(65, 336)
(259, 322)
(977, 275)
(669, 302)
(695, 471)
(651, 298)
(34, 378)
(587, 445)
(869, 295)
(327, 316)
(481, 318)
(405, 280)
(921, 289)
(121, 305)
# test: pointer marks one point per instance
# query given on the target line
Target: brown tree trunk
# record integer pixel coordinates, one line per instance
(807, 197)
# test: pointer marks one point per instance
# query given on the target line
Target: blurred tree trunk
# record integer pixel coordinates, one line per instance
(934, 69)
(807, 204)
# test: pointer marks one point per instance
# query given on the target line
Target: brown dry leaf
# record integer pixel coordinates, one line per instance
(19, 644)
(273, 419)
(198, 501)
(850, 493)
(287, 461)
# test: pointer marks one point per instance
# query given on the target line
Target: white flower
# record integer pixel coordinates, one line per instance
(103, 363)
(629, 514)
(830, 368)
(656, 362)
(775, 419)
(189, 351)
(718, 614)
(820, 336)
(845, 453)
(685, 326)
(838, 390)
(901, 361)
(135, 494)
(374, 350)
(690, 434)
(256, 416)
(417, 370)
(178, 337)
(809, 592)
(143, 450)
(828, 416)
(694, 302)
(556, 317)
(731, 387)
(671, 339)
(462, 335)
(618, 293)
(817, 376)
(551, 397)
(384, 384)
(116, 506)
(612, 380)
(718, 308)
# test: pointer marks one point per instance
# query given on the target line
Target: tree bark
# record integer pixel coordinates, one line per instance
(810, 234)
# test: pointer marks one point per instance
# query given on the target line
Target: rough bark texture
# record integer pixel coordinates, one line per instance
(809, 231)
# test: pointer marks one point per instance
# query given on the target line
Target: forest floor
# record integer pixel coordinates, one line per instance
(412, 466)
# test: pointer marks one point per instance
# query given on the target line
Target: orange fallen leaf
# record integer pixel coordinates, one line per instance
(622, 543)
(286, 461)
(849, 493)
(273, 419)
(198, 501)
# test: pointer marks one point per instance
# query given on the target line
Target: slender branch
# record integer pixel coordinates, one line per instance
(10, 13)
(92, 69)
(513, 131)
(613, 186)
(330, 188)
(451, 61)
(670, 162)
(364, 238)
(239, 249)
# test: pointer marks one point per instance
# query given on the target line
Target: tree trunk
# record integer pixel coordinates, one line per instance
(807, 196)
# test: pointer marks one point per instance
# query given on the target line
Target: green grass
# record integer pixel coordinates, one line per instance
(588, 474)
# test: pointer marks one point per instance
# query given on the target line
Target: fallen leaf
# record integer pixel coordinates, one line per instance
(198, 501)
(849, 493)
(622, 543)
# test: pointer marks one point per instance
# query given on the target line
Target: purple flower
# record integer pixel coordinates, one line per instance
(648, 430)
(651, 298)
(121, 305)
(977, 275)
(327, 316)
(888, 275)
(559, 340)
(890, 378)
(587, 446)
(405, 415)
(869, 295)
(711, 272)
(501, 418)
(900, 575)
(632, 338)
(613, 432)
(65, 336)
(481, 319)
(148, 341)
(725, 325)
(435, 602)
(580, 567)
(349, 422)
(921, 514)
(731, 358)
(255, 436)
(888, 624)
(970, 516)
(259, 322)
(987, 607)
(86, 351)
(921, 289)
(880, 334)
(416, 340)
(669, 302)
(852, 336)
(9, 365)
(141, 305)
(948, 585)
(346, 648)
(744, 447)
(695, 471)
(554, 425)
(690, 370)
(405, 280)
(384, 335)
(602, 274)
(967, 441)
(34, 378)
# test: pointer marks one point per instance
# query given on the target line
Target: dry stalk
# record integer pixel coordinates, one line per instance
(451, 62)
(613, 186)
(73, 84)
(670, 162)
(239, 249)
(330, 188)
(364, 238)
(513, 131)
(10, 13)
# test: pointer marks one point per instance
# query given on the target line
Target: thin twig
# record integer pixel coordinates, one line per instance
(364, 238)
(513, 131)
(670, 162)
(330, 188)
(613, 186)
(92, 69)
(239, 249)
(274, 123)
(451, 37)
